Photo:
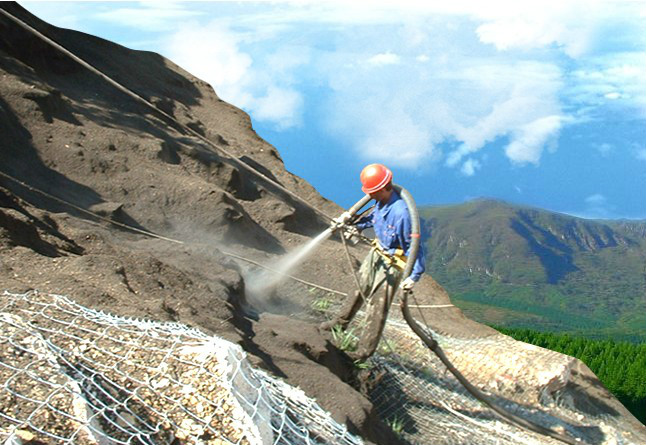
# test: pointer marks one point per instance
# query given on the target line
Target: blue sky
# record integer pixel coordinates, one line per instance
(536, 103)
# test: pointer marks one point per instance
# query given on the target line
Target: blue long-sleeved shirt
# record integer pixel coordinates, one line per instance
(392, 224)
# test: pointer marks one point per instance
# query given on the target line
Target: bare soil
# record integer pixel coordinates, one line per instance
(78, 153)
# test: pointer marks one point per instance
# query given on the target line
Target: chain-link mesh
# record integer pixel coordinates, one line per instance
(72, 375)
(422, 401)
(69, 374)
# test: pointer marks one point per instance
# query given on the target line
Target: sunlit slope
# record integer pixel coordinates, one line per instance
(520, 266)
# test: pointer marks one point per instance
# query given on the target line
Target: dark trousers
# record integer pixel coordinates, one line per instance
(379, 281)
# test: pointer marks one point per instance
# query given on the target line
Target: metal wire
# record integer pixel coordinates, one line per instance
(72, 375)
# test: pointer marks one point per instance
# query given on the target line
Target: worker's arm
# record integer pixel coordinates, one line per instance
(366, 222)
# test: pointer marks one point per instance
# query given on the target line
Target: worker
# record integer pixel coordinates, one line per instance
(384, 264)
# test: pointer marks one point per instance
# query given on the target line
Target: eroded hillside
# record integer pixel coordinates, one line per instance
(193, 208)
(520, 266)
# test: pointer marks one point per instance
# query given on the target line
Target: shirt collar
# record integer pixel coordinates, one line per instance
(394, 196)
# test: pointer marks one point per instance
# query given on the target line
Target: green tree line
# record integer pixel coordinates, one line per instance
(621, 366)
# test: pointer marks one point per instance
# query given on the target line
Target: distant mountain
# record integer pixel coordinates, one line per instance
(518, 266)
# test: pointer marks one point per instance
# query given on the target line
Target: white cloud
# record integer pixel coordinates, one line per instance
(211, 53)
(596, 199)
(151, 16)
(597, 206)
(529, 140)
(278, 105)
(618, 77)
(214, 53)
(528, 33)
(470, 102)
(604, 149)
(393, 138)
(387, 58)
(470, 166)
(519, 101)
(449, 72)
(577, 27)
(641, 154)
(62, 14)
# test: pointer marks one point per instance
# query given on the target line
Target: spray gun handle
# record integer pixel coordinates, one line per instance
(351, 234)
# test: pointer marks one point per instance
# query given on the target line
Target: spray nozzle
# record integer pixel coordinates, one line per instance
(340, 221)
(351, 234)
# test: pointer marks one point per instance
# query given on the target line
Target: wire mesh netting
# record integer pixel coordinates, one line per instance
(72, 375)
(422, 401)
(69, 374)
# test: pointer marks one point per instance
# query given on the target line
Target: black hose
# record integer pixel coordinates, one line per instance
(432, 344)
(415, 235)
(473, 390)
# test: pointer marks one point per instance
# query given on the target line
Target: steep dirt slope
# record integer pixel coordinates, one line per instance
(70, 134)
(90, 147)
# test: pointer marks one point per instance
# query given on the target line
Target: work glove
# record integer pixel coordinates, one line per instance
(407, 284)
(350, 232)
(341, 221)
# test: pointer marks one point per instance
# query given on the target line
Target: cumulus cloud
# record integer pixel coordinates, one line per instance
(470, 166)
(387, 58)
(214, 53)
(597, 206)
(517, 101)
(470, 102)
(151, 16)
(279, 105)
(598, 40)
(211, 53)
(604, 149)
(535, 32)
(596, 199)
(449, 77)
(392, 137)
(526, 26)
(530, 139)
(63, 14)
(618, 77)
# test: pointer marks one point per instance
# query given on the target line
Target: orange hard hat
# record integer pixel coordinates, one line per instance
(374, 177)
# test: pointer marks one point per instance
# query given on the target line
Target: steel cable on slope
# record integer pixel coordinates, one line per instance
(167, 116)
(231, 157)
(87, 212)
(155, 235)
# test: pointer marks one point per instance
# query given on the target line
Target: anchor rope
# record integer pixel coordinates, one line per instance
(241, 164)
(150, 105)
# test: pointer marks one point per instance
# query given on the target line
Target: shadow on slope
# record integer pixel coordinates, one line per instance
(555, 256)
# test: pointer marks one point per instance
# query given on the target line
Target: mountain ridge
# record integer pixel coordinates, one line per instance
(491, 252)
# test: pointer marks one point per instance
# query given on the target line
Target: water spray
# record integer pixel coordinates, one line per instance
(261, 285)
